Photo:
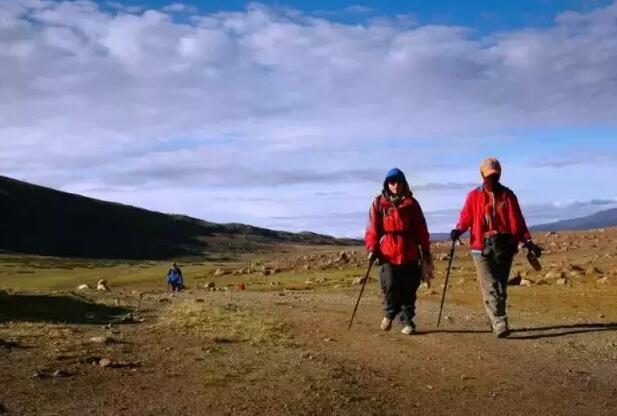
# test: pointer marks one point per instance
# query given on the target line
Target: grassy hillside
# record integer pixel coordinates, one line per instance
(601, 219)
(44, 221)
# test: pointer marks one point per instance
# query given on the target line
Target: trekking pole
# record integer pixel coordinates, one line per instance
(445, 285)
(361, 290)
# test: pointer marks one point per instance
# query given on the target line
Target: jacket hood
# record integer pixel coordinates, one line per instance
(396, 173)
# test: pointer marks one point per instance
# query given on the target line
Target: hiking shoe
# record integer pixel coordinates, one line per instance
(408, 330)
(386, 324)
(501, 329)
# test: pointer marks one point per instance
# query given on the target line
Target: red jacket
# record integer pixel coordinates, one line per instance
(396, 231)
(492, 212)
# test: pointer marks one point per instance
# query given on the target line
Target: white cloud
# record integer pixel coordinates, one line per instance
(90, 95)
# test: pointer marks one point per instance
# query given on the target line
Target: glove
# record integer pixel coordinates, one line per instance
(428, 271)
(372, 255)
(532, 248)
(455, 234)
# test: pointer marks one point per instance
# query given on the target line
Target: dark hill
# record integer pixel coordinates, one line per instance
(44, 221)
(601, 219)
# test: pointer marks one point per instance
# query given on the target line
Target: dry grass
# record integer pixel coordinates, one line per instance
(228, 323)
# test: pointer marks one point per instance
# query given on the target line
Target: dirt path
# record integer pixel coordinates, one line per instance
(251, 353)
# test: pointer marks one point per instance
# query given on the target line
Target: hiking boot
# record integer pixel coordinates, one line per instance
(386, 324)
(409, 329)
(501, 329)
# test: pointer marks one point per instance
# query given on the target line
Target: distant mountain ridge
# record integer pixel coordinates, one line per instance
(601, 219)
(44, 221)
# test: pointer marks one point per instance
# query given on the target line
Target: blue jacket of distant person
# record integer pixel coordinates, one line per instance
(174, 276)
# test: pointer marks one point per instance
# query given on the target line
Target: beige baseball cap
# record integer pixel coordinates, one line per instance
(490, 166)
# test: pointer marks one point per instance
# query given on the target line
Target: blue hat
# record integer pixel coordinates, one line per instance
(395, 172)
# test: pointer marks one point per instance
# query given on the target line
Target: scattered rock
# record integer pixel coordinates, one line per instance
(61, 373)
(104, 362)
(575, 273)
(40, 374)
(603, 280)
(554, 274)
(561, 281)
(85, 286)
(357, 281)
(527, 282)
(210, 285)
(593, 271)
(343, 256)
(102, 285)
(101, 340)
(219, 272)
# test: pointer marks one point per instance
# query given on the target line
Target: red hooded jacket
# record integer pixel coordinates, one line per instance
(396, 231)
(495, 212)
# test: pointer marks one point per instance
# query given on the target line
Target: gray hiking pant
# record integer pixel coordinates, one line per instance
(493, 275)
(399, 283)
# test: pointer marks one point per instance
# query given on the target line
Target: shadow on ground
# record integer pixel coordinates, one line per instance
(57, 309)
(562, 330)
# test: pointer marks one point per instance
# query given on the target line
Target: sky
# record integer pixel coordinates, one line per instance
(288, 114)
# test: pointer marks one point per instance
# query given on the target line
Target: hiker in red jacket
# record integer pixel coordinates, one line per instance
(497, 226)
(397, 236)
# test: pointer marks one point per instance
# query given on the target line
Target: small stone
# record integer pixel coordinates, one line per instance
(603, 280)
(61, 373)
(553, 274)
(306, 355)
(219, 272)
(357, 281)
(527, 282)
(85, 286)
(101, 340)
(561, 281)
(102, 285)
(104, 362)
(464, 377)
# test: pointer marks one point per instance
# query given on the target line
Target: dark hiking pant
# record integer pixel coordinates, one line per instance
(399, 284)
(493, 272)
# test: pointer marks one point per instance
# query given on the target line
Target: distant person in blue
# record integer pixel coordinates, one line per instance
(174, 278)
